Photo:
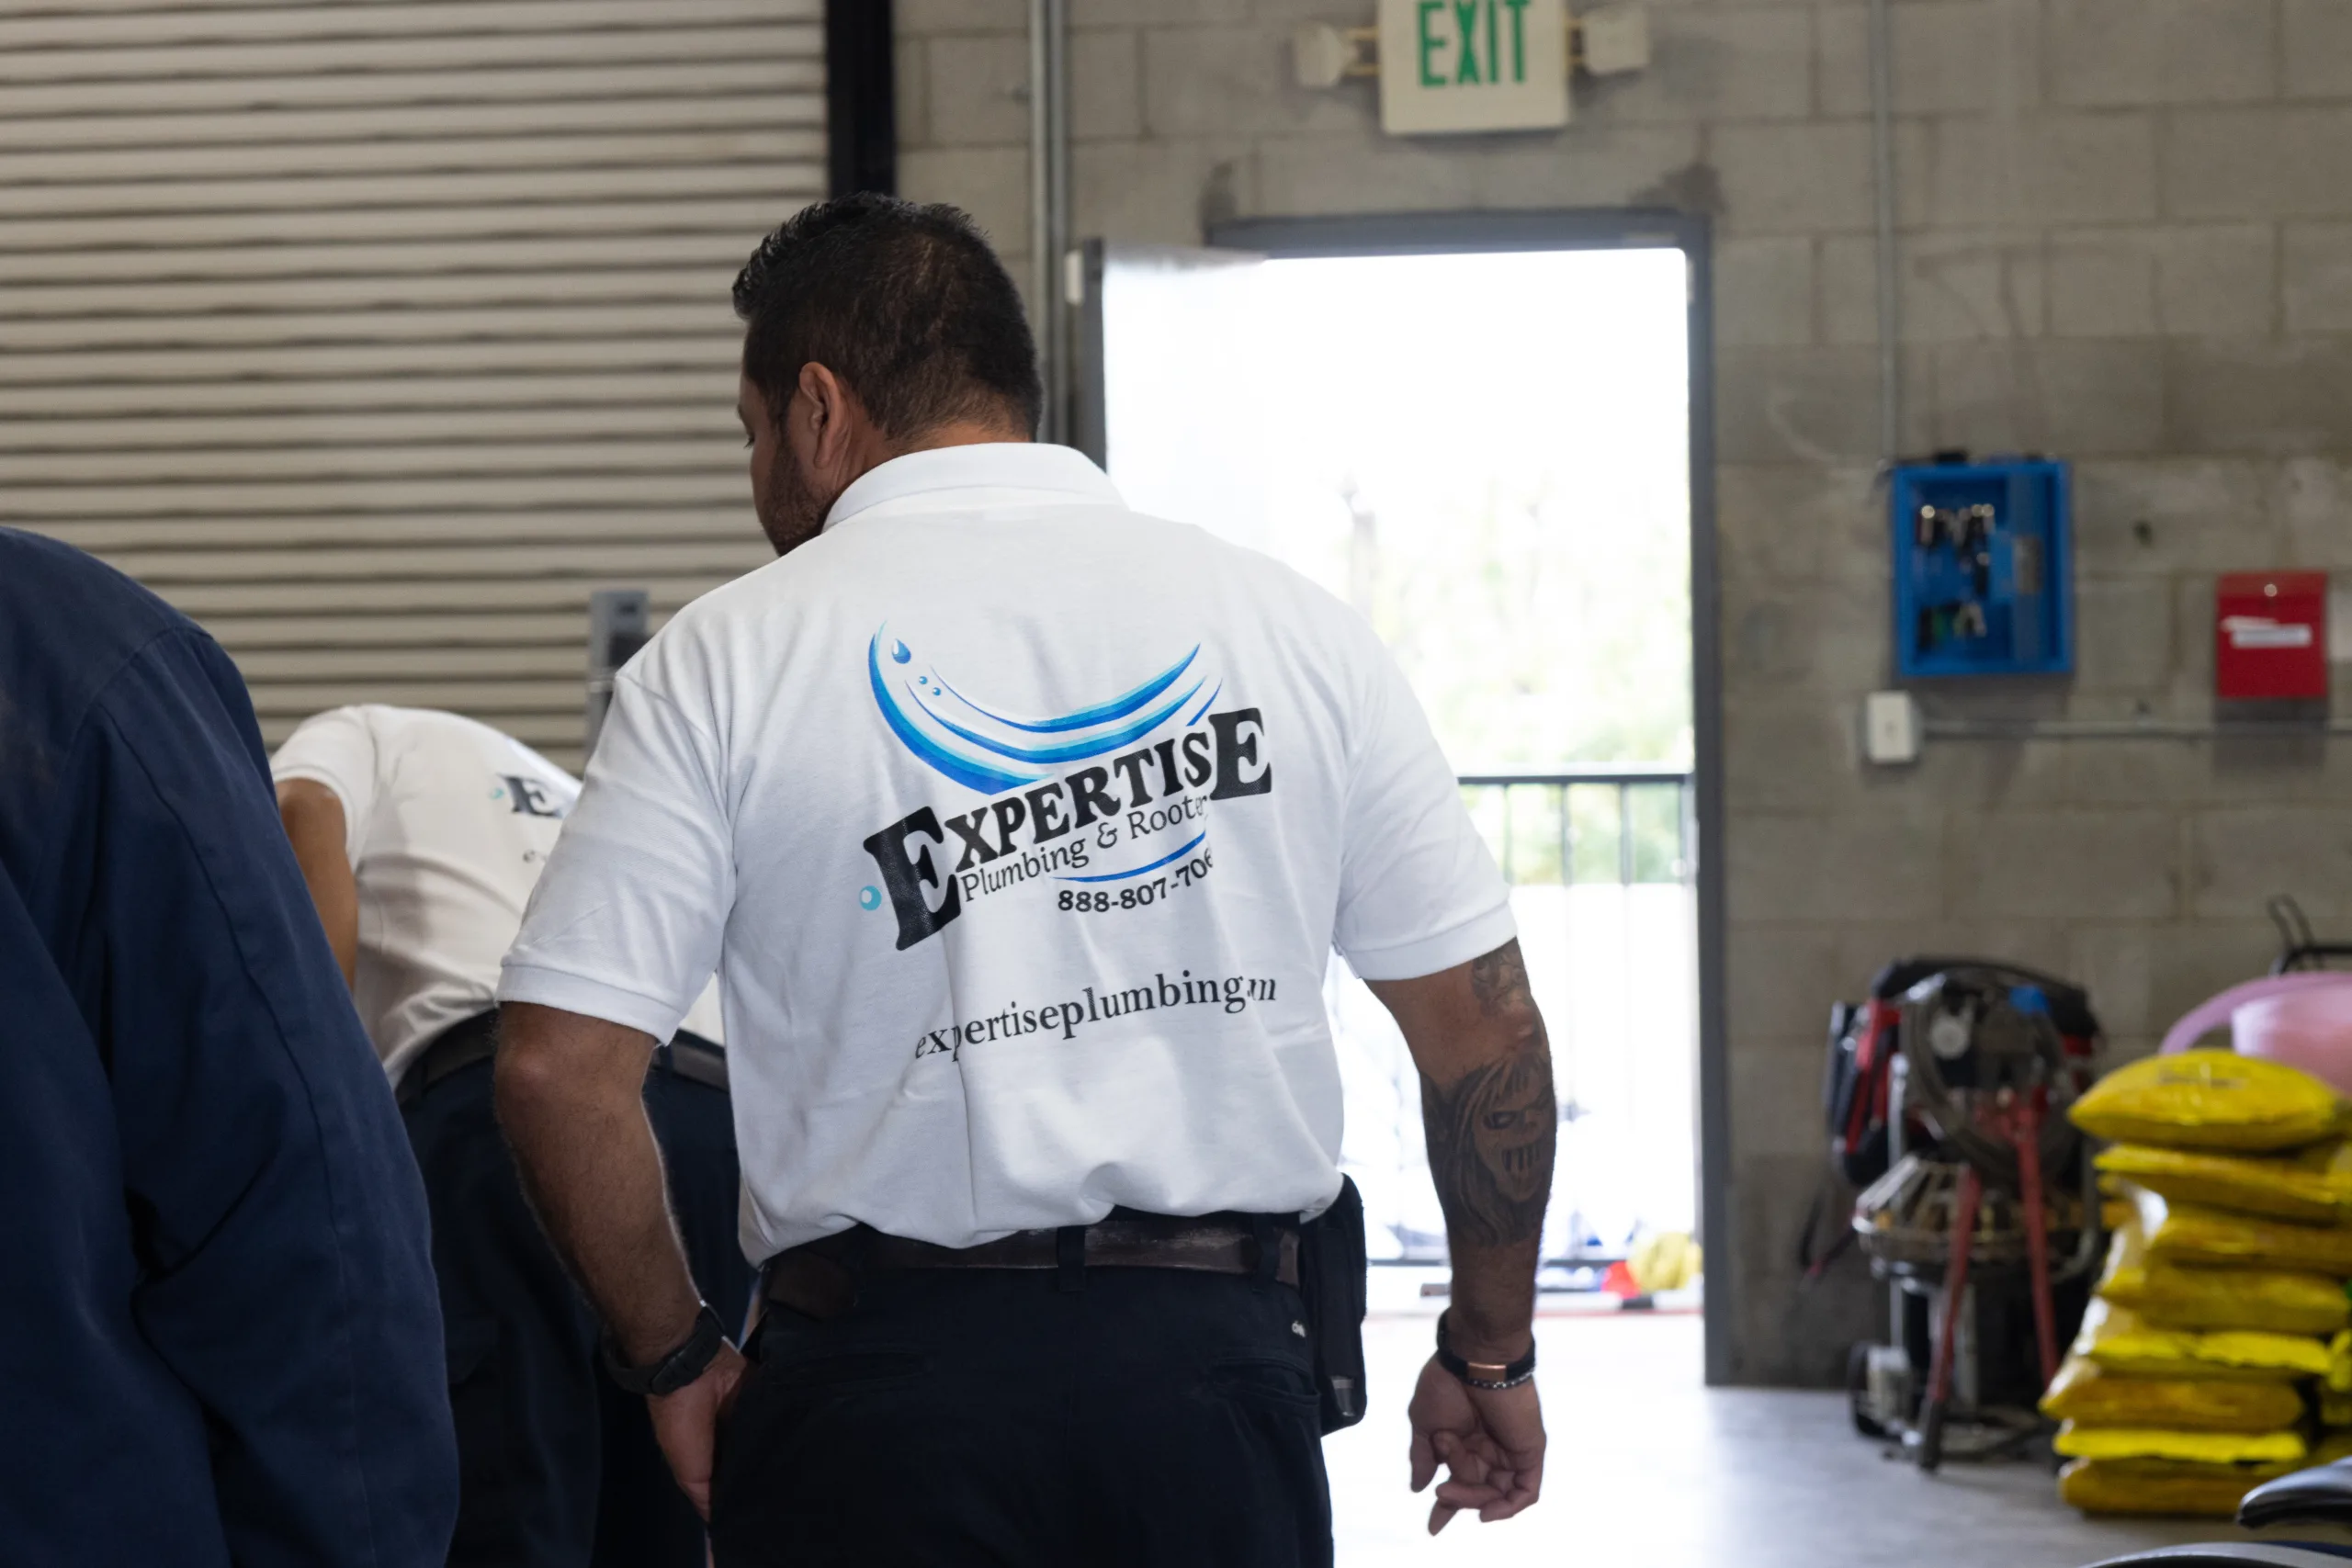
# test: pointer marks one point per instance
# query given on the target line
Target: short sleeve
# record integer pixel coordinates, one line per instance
(336, 748)
(1418, 892)
(704, 1018)
(626, 921)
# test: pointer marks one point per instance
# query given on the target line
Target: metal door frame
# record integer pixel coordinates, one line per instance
(861, 98)
(1427, 234)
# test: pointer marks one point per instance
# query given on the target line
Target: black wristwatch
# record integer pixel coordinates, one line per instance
(1484, 1374)
(676, 1369)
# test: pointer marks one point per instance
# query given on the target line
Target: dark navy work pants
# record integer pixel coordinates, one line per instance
(1156, 1418)
(557, 1467)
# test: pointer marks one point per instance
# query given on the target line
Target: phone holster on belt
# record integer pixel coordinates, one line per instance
(1333, 1274)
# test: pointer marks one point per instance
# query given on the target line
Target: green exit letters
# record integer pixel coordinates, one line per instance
(1470, 30)
(1456, 65)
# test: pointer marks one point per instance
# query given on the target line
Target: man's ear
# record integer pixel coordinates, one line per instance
(830, 410)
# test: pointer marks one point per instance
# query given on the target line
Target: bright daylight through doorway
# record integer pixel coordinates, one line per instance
(1489, 455)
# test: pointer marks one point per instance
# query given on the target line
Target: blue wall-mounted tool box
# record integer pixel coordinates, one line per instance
(1983, 568)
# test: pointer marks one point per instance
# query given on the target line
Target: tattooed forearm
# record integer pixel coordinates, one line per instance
(1500, 982)
(1491, 1134)
(1492, 1131)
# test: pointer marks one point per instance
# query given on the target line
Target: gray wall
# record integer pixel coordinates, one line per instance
(2127, 241)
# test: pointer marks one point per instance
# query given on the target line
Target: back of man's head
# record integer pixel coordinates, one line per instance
(906, 304)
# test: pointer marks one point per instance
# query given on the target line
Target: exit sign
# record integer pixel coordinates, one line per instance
(1450, 65)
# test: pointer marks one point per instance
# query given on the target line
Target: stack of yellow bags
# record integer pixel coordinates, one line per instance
(2191, 1381)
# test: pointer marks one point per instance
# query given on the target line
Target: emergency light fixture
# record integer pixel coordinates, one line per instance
(1471, 65)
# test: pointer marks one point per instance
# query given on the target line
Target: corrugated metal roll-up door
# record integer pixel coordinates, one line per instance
(376, 334)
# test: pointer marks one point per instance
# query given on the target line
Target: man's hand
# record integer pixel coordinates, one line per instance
(686, 1424)
(571, 1098)
(1488, 1104)
(1490, 1441)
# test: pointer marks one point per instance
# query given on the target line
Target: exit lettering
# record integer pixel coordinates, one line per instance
(1457, 65)
(1470, 43)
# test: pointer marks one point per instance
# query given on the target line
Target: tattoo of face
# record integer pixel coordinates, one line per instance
(1492, 1131)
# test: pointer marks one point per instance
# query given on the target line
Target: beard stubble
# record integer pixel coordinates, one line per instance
(796, 509)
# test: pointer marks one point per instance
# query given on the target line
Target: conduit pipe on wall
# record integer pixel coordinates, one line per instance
(1049, 204)
(2130, 728)
(1889, 318)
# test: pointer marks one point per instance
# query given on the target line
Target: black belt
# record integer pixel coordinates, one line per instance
(475, 1039)
(819, 1279)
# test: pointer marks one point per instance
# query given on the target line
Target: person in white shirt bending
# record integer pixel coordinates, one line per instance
(420, 835)
(1025, 826)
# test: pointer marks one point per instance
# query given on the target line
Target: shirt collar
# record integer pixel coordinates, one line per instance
(1032, 470)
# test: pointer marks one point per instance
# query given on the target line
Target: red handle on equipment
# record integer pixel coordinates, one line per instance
(2025, 1130)
(1963, 1236)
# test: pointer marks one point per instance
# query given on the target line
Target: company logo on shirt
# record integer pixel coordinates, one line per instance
(527, 797)
(1112, 793)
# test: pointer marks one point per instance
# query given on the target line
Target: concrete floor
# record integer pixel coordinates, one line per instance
(1649, 1469)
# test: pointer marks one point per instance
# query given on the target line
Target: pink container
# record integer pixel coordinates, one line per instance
(2299, 1020)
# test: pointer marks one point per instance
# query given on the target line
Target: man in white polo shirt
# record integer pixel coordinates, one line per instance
(420, 835)
(1023, 826)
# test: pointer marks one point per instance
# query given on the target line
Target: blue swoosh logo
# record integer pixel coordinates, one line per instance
(971, 773)
(1094, 746)
(1085, 718)
(913, 700)
(1164, 860)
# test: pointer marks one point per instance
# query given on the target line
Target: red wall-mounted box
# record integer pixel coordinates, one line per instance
(2270, 636)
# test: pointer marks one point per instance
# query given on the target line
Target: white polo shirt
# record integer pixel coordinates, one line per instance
(448, 825)
(1024, 826)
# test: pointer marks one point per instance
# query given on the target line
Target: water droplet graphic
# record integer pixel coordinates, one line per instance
(869, 897)
(898, 653)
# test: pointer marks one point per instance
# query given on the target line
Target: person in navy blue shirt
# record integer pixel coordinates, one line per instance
(219, 1336)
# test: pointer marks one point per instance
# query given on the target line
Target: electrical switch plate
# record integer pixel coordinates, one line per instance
(1891, 727)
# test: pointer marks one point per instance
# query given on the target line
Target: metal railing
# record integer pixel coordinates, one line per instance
(1599, 859)
(1648, 815)
(1579, 830)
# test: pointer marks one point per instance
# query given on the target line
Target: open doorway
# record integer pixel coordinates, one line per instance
(1487, 434)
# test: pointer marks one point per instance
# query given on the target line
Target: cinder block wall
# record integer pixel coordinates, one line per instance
(2127, 240)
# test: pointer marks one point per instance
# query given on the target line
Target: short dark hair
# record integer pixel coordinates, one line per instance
(906, 304)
